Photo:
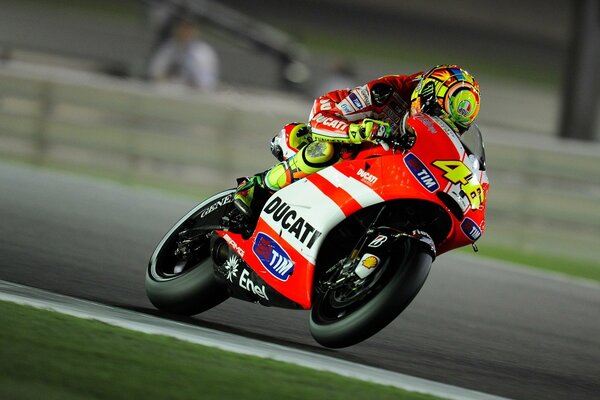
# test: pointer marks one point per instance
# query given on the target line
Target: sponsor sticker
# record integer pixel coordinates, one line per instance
(273, 257)
(246, 283)
(231, 268)
(292, 221)
(370, 262)
(378, 241)
(420, 171)
(470, 229)
(329, 121)
(346, 107)
(358, 103)
(427, 122)
(370, 178)
(367, 264)
(219, 203)
(234, 245)
(365, 95)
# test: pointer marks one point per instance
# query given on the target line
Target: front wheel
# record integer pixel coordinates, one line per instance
(180, 276)
(351, 313)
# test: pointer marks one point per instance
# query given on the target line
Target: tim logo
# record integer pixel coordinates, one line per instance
(273, 257)
(470, 229)
(356, 101)
(420, 171)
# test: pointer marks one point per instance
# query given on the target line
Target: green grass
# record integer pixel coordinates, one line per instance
(48, 355)
(552, 263)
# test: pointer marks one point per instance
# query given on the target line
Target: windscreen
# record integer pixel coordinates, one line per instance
(473, 142)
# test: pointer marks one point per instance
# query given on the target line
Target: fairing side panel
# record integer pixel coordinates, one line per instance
(294, 222)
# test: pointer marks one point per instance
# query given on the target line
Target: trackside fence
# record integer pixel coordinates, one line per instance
(545, 194)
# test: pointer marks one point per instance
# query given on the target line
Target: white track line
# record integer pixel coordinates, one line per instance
(153, 325)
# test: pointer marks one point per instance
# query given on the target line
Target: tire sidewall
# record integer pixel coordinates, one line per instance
(151, 271)
(191, 292)
(380, 310)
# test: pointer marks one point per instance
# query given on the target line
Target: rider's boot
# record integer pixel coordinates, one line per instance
(250, 195)
(252, 192)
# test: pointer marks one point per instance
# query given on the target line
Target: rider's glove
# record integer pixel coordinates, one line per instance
(369, 130)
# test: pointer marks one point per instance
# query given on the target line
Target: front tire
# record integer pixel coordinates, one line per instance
(188, 286)
(340, 319)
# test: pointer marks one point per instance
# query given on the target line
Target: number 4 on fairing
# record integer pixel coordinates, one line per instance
(458, 173)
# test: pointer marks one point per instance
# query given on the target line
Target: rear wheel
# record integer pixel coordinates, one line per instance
(354, 309)
(180, 276)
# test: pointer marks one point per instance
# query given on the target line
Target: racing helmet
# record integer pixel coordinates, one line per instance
(450, 92)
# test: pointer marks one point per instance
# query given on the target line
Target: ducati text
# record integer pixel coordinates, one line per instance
(293, 223)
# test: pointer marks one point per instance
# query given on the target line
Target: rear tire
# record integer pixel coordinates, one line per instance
(337, 323)
(190, 288)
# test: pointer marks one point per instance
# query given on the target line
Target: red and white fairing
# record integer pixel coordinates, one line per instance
(296, 220)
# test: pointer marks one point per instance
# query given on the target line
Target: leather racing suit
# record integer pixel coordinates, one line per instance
(386, 99)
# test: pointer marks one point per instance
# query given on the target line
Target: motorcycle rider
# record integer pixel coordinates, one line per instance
(371, 113)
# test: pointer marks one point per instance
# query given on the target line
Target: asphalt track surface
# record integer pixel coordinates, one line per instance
(475, 324)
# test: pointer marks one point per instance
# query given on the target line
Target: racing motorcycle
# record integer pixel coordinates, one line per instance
(353, 243)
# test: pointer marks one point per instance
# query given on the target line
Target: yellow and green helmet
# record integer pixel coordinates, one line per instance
(451, 90)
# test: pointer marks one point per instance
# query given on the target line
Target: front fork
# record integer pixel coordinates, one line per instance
(373, 248)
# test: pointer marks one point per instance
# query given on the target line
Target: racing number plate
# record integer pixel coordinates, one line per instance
(458, 173)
